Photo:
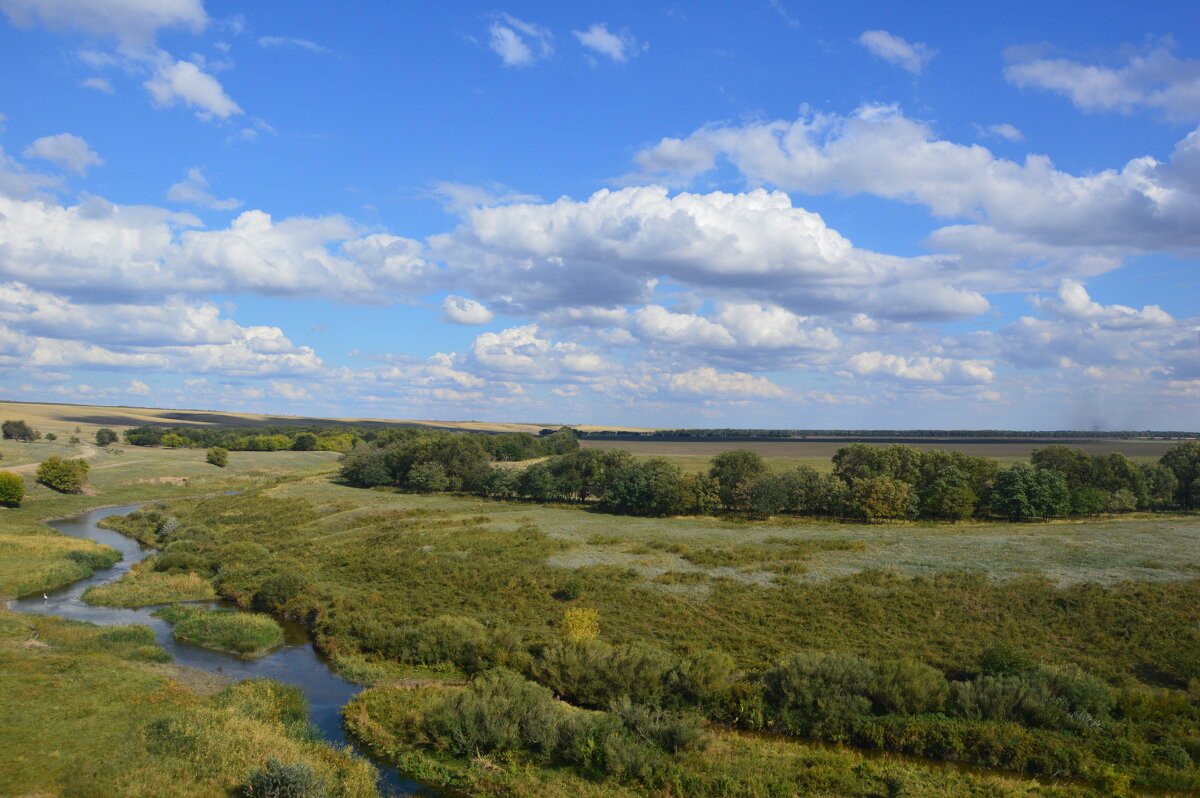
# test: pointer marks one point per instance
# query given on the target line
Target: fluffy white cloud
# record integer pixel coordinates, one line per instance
(193, 190)
(522, 353)
(138, 388)
(134, 22)
(519, 43)
(620, 47)
(183, 81)
(1157, 80)
(461, 310)
(921, 368)
(65, 150)
(610, 249)
(895, 50)
(1074, 303)
(709, 382)
(121, 250)
(1146, 205)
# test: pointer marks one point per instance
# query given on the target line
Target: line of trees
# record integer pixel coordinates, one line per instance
(870, 434)
(868, 482)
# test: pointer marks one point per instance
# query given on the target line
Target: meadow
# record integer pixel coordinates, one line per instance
(418, 593)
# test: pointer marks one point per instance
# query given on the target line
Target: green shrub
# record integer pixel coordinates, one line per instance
(277, 780)
(106, 437)
(12, 489)
(571, 589)
(181, 561)
(706, 680)
(498, 711)
(671, 731)
(1003, 659)
(820, 695)
(95, 560)
(428, 478)
(63, 475)
(277, 590)
(217, 456)
(904, 687)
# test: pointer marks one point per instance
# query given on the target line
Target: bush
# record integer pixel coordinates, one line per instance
(12, 489)
(428, 478)
(62, 475)
(18, 431)
(105, 436)
(217, 456)
(820, 695)
(904, 687)
(499, 711)
(277, 590)
(571, 589)
(1003, 659)
(277, 780)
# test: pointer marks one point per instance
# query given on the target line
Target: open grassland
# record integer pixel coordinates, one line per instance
(693, 456)
(86, 711)
(728, 764)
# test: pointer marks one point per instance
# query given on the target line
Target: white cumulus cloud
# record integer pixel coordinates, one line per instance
(66, 150)
(462, 310)
(620, 47)
(193, 190)
(519, 43)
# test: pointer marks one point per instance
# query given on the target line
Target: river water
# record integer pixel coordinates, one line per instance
(296, 662)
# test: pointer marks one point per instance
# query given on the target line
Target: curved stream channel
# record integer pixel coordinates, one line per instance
(296, 662)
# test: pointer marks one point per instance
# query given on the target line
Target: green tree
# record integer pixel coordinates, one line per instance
(106, 437)
(1184, 461)
(17, 431)
(948, 497)
(304, 442)
(428, 478)
(12, 489)
(63, 475)
(734, 471)
(882, 497)
(217, 456)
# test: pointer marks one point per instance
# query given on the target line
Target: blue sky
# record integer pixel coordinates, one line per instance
(685, 214)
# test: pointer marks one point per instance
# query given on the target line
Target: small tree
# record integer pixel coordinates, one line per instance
(428, 477)
(304, 442)
(12, 489)
(218, 457)
(277, 780)
(105, 436)
(50, 436)
(63, 475)
(18, 431)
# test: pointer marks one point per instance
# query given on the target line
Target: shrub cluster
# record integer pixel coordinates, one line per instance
(500, 712)
(63, 475)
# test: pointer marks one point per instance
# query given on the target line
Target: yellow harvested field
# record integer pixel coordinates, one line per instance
(64, 418)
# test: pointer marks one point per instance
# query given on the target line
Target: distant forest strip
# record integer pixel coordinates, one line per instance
(876, 435)
(868, 482)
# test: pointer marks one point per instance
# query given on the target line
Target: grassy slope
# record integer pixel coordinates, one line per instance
(141, 587)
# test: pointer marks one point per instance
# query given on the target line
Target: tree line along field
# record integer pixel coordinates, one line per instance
(724, 642)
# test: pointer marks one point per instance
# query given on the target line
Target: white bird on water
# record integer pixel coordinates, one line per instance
(45, 597)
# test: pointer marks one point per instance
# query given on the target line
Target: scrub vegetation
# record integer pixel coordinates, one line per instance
(143, 587)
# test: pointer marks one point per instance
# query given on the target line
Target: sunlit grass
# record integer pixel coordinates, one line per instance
(142, 587)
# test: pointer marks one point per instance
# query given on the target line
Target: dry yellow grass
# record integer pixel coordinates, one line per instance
(63, 419)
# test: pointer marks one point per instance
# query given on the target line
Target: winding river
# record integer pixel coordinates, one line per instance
(296, 662)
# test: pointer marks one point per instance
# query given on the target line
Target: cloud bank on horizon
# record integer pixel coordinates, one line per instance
(819, 223)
